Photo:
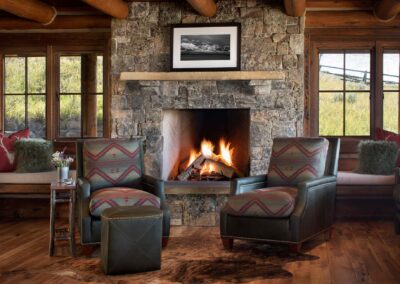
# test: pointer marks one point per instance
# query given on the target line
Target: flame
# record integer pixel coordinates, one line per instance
(226, 152)
(207, 148)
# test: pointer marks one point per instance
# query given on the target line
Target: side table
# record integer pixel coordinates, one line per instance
(62, 193)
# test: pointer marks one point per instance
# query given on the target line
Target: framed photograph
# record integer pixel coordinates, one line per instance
(205, 47)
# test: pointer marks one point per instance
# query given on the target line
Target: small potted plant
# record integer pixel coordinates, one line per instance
(62, 163)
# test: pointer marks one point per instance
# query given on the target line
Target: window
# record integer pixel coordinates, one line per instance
(344, 93)
(391, 67)
(25, 94)
(80, 96)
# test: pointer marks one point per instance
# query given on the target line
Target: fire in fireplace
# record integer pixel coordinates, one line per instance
(206, 165)
(205, 145)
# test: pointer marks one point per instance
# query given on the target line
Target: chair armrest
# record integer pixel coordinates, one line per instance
(315, 207)
(83, 196)
(397, 175)
(155, 186)
(242, 185)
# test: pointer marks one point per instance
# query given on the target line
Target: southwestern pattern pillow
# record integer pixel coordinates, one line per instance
(120, 196)
(295, 160)
(275, 202)
(111, 162)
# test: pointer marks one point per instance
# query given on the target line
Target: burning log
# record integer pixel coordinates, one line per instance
(218, 167)
(183, 176)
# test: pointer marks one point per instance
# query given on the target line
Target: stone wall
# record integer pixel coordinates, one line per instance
(270, 41)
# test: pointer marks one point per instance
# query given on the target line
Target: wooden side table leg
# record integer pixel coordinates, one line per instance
(72, 223)
(52, 222)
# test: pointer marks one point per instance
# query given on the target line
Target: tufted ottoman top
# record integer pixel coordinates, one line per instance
(131, 212)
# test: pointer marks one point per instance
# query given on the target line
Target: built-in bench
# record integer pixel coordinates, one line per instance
(360, 195)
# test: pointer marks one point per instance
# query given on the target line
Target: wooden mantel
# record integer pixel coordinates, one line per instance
(202, 76)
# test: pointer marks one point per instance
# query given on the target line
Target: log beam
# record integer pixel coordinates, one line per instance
(206, 8)
(387, 10)
(115, 8)
(295, 8)
(34, 10)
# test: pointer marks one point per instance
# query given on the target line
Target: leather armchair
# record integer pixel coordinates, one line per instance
(313, 210)
(89, 225)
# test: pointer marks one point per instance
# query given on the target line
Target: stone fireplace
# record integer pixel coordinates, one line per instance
(259, 110)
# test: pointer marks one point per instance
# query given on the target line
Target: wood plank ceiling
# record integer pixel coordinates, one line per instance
(53, 12)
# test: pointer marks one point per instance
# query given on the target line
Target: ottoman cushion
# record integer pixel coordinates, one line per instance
(131, 239)
(275, 202)
(120, 196)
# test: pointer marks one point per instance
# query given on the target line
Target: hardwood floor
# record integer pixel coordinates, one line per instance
(357, 253)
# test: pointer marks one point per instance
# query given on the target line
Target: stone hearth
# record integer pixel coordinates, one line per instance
(270, 41)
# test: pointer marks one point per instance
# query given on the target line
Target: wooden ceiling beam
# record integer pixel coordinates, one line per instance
(206, 8)
(295, 8)
(34, 10)
(387, 10)
(115, 8)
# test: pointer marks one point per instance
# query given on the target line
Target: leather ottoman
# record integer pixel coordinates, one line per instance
(131, 239)
(396, 195)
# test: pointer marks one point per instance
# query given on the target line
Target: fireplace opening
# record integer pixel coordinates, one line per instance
(203, 145)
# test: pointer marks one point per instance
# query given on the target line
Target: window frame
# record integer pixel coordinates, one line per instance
(49, 44)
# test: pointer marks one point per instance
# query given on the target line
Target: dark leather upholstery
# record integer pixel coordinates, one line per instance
(396, 195)
(313, 213)
(131, 239)
(89, 225)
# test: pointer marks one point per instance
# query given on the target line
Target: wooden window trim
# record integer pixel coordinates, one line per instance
(48, 45)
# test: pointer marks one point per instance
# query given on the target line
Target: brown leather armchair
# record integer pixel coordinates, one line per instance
(293, 210)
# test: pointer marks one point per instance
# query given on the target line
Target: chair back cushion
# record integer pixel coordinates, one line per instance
(120, 196)
(295, 160)
(112, 162)
(272, 202)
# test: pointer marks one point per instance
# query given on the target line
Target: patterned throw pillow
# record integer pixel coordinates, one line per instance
(112, 162)
(120, 196)
(275, 202)
(7, 152)
(295, 160)
(33, 155)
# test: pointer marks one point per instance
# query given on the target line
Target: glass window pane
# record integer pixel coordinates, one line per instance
(14, 75)
(331, 114)
(36, 75)
(391, 67)
(357, 72)
(331, 71)
(357, 114)
(37, 115)
(391, 112)
(99, 115)
(14, 117)
(70, 116)
(70, 74)
(99, 74)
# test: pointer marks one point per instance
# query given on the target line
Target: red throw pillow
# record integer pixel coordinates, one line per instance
(382, 134)
(7, 155)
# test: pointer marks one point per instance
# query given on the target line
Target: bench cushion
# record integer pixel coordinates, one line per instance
(351, 178)
(275, 202)
(120, 196)
(32, 178)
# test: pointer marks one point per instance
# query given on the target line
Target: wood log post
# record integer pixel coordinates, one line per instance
(115, 8)
(206, 8)
(34, 10)
(295, 8)
(89, 98)
(387, 10)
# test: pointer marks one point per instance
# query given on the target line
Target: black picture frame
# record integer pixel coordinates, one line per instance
(205, 47)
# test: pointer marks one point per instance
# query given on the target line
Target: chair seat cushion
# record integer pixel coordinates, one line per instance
(275, 202)
(120, 196)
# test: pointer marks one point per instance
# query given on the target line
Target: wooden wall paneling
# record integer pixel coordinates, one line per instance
(313, 5)
(115, 8)
(1, 94)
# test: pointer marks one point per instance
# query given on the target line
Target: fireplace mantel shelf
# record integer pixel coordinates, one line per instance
(202, 76)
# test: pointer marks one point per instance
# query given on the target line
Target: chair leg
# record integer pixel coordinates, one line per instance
(164, 242)
(227, 243)
(88, 250)
(295, 248)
